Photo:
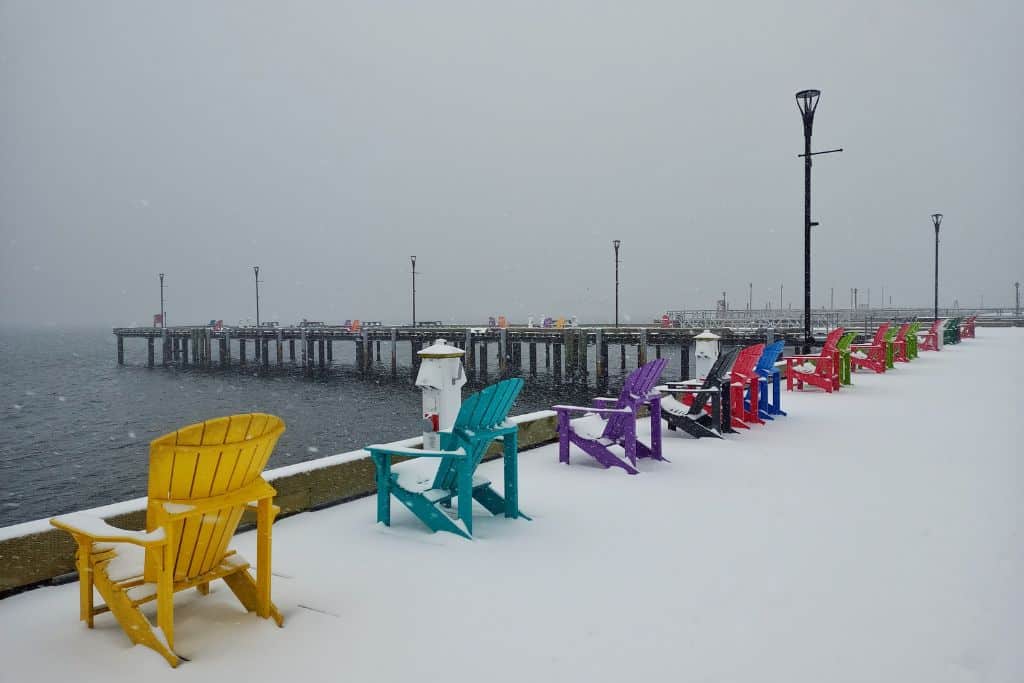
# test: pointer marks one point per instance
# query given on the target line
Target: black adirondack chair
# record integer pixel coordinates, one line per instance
(693, 419)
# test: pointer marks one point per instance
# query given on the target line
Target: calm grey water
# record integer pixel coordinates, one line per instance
(75, 427)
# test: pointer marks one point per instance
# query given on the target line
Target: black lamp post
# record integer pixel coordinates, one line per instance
(616, 244)
(937, 221)
(413, 260)
(256, 276)
(807, 102)
(162, 320)
(1017, 285)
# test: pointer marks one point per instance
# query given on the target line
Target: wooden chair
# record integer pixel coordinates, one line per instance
(929, 340)
(873, 354)
(821, 371)
(483, 418)
(201, 479)
(843, 347)
(612, 422)
(707, 412)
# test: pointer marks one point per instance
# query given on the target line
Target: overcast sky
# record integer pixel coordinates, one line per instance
(506, 144)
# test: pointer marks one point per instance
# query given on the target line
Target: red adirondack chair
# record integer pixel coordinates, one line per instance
(821, 371)
(871, 355)
(967, 327)
(742, 375)
(900, 344)
(929, 341)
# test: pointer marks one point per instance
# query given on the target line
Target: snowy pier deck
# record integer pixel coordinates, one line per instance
(872, 535)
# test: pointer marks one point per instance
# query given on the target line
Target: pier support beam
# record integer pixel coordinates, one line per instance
(569, 341)
(581, 356)
(556, 367)
(547, 355)
(657, 350)
(280, 348)
(394, 353)
(684, 361)
(368, 351)
(149, 351)
(323, 351)
(533, 359)
(622, 356)
(165, 348)
(470, 354)
(225, 355)
(483, 361)
(641, 348)
(291, 350)
(241, 352)
(120, 350)
(330, 351)
(184, 351)
(265, 351)
(503, 353)
(601, 360)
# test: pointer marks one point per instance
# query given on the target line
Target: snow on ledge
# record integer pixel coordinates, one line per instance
(38, 526)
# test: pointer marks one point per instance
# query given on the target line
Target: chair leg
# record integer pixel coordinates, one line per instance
(465, 475)
(655, 406)
(382, 464)
(165, 589)
(563, 437)
(264, 524)
(85, 581)
(510, 443)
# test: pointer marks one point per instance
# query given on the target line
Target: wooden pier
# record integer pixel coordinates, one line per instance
(574, 355)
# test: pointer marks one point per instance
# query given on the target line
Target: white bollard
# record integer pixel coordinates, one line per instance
(441, 378)
(706, 348)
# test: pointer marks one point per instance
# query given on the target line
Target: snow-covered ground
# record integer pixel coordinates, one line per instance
(872, 535)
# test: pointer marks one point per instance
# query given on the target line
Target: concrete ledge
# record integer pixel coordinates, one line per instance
(35, 553)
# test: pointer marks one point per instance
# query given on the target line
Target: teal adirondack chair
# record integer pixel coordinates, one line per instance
(482, 419)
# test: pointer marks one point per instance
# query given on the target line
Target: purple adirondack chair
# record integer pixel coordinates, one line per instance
(612, 422)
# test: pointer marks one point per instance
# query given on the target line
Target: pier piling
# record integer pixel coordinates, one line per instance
(149, 351)
(120, 350)
(394, 353)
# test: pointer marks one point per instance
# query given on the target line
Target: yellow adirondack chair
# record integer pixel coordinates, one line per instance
(201, 479)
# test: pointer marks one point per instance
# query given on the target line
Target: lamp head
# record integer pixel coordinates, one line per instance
(937, 220)
(616, 244)
(807, 102)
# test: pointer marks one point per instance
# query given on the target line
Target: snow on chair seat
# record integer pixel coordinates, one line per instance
(707, 412)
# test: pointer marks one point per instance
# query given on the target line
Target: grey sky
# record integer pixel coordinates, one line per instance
(506, 144)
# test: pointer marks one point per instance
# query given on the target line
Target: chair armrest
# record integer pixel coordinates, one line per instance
(385, 449)
(604, 399)
(592, 409)
(97, 530)
(688, 390)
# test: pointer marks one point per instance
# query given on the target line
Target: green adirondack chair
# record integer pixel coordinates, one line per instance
(482, 419)
(912, 340)
(951, 331)
(890, 347)
(843, 346)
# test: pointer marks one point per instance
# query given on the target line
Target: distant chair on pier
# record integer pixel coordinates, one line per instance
(202, 478)
(611, 422)
(967, 327)
(483, 418)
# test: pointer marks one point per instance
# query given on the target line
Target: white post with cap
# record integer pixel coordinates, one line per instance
(441, 378)
(706, 348)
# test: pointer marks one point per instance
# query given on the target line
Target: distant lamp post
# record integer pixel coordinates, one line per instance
(413, 260)
(807, 102)
(163, 322)
(1017, 286)
(616, 244)
(937, 221)
(256, 276)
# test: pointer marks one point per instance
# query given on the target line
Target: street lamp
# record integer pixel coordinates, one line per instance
(162, 321)
(256, 276)
(807, 102)
(616, 244)
(937, 221)
(1017, 285)
(413, 260)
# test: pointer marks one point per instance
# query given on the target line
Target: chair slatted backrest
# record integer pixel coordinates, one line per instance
(844, 342)
(481, 413)
(901, 333)
(831, 341)
(635, 390)
(201, 461)
(770, 356)
(746, 361)
(880, 334)
(718, 375)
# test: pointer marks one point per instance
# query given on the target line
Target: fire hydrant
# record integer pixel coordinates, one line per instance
(705, 351)
(441, 378)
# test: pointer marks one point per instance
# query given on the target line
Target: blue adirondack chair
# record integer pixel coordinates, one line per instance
(767, 373)
(482, 419)
(612, 422)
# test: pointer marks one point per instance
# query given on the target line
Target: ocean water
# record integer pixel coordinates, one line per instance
(75, 427)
